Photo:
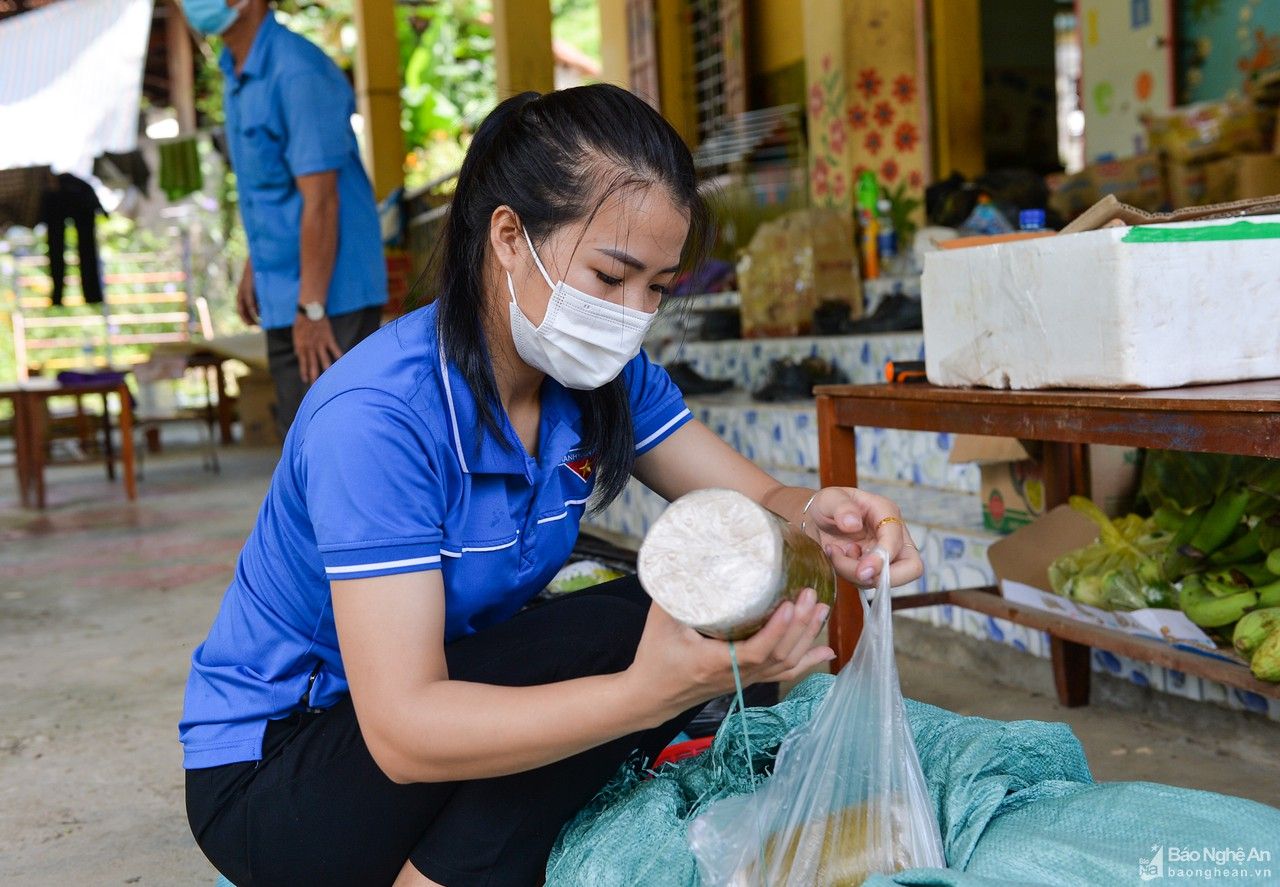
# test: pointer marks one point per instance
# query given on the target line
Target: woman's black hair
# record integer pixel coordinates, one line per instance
(554, 159)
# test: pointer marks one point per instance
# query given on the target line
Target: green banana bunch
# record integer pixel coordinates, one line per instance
(1216, 612)
(1268, 595)
(1270, 537)
(1220, 589)
(1273, 562)
(1223, 517)
(1253, 628)
(1175, 564)
(1255, 574)
(1263, 483)
(1193, 589)
(1169, 519)
(1247, 548)
(1265, 663)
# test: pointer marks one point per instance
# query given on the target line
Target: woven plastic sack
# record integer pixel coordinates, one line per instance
(847, 798)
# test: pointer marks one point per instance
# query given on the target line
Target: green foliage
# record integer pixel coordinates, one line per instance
(902, 210)
(577, 22)
(446, 54)
(330, 25)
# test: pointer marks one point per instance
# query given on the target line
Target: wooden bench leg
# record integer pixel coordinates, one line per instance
(1071, 671)
(22, 442)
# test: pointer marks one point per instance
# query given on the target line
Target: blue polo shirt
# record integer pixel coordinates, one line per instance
(386, 470)
(288, 114)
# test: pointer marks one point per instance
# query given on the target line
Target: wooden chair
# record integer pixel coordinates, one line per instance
(148, 302)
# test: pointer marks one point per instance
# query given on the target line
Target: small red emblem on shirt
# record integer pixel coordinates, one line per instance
(583, 467)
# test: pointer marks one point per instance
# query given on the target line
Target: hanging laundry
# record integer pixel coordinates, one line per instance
(73, 200)
(180, 172)
(123, 170)
(20, 192)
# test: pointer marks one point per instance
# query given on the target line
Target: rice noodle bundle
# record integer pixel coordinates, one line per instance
(721, 564)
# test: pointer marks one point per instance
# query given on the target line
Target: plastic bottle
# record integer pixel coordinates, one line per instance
(868, 195)
(868, 191)
(886, 237)
(1031, 220)
(985, 220)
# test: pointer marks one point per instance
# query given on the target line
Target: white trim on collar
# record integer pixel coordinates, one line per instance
(453, 415)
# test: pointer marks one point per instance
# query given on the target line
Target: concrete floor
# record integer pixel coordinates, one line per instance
(101, 602)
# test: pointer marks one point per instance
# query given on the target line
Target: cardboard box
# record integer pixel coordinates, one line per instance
(1112, 213)
(1114, 475)
(257, 404)
(1137, 181)
(1187, 183)
(1241, 177)
(792, 265)
(1021, 564)
(1207, 130)
(1012, 479)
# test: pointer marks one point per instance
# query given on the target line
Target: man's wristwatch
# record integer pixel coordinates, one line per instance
(311, 310)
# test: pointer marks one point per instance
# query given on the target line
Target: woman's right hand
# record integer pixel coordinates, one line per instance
(676, 668)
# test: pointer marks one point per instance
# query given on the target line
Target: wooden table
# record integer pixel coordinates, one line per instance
(1239, 419)
(248, 348)
(30, 409)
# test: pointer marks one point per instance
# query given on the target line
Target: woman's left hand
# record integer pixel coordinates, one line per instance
(850, 523)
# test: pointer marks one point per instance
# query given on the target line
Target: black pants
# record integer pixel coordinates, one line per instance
(317, 810)
(349, 330)
(73, 201)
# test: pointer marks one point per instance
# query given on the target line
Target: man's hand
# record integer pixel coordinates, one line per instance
(247, 297)
(315, 346)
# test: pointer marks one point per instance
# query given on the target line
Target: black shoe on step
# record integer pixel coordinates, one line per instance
(794, 379)
(691, 382)
(895, 314)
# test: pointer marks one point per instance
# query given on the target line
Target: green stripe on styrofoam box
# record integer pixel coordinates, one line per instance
(1204, 233)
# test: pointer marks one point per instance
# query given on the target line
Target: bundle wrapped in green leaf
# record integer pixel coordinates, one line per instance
(1118, 572)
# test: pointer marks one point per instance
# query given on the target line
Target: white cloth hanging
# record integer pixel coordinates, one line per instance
(71, 82)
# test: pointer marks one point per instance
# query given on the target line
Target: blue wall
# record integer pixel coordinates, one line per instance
(1217, 37)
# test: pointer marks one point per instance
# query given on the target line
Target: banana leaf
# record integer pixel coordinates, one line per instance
(1190, 480)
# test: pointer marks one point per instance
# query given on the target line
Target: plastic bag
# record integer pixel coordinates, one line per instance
(847, 798)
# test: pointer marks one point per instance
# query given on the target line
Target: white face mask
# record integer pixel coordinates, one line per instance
(583, 342)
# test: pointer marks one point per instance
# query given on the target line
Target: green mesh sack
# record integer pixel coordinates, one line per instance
(1015, 802)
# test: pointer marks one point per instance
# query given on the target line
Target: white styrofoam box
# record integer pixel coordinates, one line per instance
(1099, 310)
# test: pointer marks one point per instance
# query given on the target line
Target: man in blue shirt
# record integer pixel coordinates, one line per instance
(315, 278)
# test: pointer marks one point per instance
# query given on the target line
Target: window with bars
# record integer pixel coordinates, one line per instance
(714, 46)
(719, 69)
(708, 66)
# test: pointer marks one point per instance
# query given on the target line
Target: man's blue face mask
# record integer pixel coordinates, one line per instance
(211, 16)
